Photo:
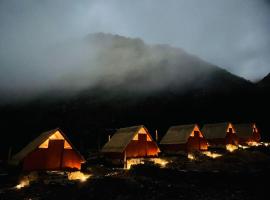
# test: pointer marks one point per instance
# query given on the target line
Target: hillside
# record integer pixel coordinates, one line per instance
(131, 65)
(122, 82)
(265, 82)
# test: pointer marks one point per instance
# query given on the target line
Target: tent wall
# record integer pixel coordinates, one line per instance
(71, 160)
(55, 157)
(193, 144)
(135, 149)
(256, 137)
(35, 160)
(196, 144)
(245, 141)
(231, 138)
(141, 148)
(216, 142)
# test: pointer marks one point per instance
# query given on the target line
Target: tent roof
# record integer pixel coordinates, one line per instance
(178, 134)
(38, 141)
(121, 139)
(217, 130)
(244, 130)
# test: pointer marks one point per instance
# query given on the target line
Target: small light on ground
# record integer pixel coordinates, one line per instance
(160, 161)
(243, 147)
(253, 144)
(22, 184)
(191, 156)
(211, 154)
(231, 148)
(137, 161)
(78, 176)
(266, 144)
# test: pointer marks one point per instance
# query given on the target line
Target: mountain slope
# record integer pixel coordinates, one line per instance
(265, 82)
(123, 82)
(132, 65)
(119, 65)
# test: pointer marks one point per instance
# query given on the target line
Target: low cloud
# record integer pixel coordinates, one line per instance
(39, 49)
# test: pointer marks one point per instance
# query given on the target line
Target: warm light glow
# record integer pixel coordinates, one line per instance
(265, 144)
(191, 156)
(78, 176)
(112, 174)
(56, 136)
(230, 126)
(243, 147)
(231, 148)
(196, 128)
(22, 184)
(142, 131)
(137, 161)
(160, 161)
(211, 154)
(253, 143)
(134, 161)
(254, 127)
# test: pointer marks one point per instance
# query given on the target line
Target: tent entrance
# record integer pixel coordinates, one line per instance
(142, 137)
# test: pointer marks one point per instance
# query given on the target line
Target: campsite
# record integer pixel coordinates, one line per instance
(131, 165)
(130, 100)
(244, 175)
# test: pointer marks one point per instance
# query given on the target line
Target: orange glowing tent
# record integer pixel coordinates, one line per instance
(185, 138)
(131, 142)
(51, 150)
(247, 133)
(220, 134)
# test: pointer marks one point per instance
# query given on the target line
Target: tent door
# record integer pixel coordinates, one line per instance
(142, 137)
(55, 154)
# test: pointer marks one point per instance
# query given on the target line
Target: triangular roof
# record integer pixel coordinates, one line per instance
(17, 158)
(217, 130)
(178, 134)
(122, 138)
(244, 130)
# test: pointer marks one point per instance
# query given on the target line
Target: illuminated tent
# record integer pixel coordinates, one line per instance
(247, 133)
(220, 134)
(186, 138)
(49, 151)
(131, 142)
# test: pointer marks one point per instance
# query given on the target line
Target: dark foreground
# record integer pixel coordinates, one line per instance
(240, 175)
(174, 186)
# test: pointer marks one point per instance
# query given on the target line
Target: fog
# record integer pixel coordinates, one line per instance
(41, 42)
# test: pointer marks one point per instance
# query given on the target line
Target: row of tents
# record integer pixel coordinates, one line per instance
(52, 150)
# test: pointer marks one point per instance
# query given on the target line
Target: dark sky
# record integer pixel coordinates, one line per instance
(233, 34)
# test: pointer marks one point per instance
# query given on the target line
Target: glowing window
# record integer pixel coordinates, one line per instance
(196, 129)
(230, 127)
(142, 131)
(56, 136)
(255, 130)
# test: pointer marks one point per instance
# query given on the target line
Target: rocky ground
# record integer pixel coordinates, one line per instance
(242, 174)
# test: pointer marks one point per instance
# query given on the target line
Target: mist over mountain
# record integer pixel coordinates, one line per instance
(115, 62)
(231, 34)
(132, 64)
